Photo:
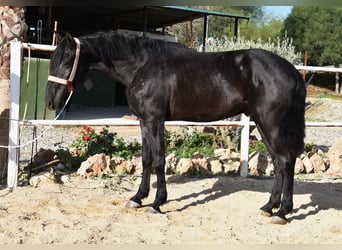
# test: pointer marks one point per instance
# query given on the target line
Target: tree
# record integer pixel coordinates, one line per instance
(260, 26)
(317, 30)
(12, 21)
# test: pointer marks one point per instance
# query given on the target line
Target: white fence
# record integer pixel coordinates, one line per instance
(13, 158)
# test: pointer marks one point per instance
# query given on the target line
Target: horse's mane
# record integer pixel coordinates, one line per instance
(112, 45)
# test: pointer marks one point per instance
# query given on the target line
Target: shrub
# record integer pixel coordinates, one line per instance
(90, 143)
(186, 143)
(257, 147)
(283, 47)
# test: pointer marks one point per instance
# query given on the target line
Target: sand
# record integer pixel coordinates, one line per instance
(199, 210)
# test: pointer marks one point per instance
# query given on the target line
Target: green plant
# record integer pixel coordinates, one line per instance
(259, 146)
(90, 143)
(310, 147)
(322, 95)
(125, 149)
(283, 47)
(186, 143)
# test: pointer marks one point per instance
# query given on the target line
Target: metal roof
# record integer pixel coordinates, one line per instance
(84, 19)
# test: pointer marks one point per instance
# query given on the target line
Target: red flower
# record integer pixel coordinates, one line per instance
(87, 128)
(86, 138)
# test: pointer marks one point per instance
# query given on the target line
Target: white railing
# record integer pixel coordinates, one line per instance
(320, 69)
(13, 158)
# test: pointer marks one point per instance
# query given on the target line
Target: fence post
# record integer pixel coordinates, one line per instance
(13, 142)
(244, 145)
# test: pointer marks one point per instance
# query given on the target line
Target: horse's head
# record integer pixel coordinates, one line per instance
(66, 68)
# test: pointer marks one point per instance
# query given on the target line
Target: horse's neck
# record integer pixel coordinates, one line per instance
(131, 59)
(123, 69)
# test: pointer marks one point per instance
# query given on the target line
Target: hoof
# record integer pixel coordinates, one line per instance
(278, 220)
(264, 213)
(132, 204)
(151, 210)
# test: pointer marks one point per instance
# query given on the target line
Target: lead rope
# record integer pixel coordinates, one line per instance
(68, 83)
(27, 87)
(45, 130)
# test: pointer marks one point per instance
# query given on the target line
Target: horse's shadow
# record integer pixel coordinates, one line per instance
(324, 195)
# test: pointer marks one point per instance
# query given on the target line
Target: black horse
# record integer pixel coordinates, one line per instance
(167, 81)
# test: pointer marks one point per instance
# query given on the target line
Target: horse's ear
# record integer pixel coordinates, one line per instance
(69, 38)
(58, 37)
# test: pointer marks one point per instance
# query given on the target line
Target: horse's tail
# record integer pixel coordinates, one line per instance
(292, 123)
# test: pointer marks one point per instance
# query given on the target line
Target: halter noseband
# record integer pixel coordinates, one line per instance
(69, 81)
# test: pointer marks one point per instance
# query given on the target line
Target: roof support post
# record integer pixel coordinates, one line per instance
(205, 31)
(236, 28)
(144, 22)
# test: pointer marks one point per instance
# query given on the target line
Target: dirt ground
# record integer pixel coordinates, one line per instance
(209, 210)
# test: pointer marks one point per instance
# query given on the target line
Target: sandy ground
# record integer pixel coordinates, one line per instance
(210, 210)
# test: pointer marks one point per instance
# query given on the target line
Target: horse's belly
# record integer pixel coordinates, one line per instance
(205, 110)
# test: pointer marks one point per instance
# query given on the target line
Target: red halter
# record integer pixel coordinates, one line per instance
(68, 82)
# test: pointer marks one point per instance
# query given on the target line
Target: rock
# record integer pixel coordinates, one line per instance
(43, 178)
(256, 134)
(258, 163)
(43, 156)
(231, 167)
(216, 166)
(269, 171)
(197, 155)
(201, 166)
(326, 162)
(94, 165)
(223, 153)
(235, 156)
(60, 167)
(335, 158)
(171, 163)
(209, 130)
(64, 179)
(137, 164)
(307, 165)
(299, 166)
(185, 167)
(317, 163)
(120, 166)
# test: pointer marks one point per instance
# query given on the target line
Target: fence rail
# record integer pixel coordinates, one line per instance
(319, 69)
(13, 159)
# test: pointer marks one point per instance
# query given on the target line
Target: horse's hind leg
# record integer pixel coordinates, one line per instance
(286, 165)
(282, 191)
(274, 201)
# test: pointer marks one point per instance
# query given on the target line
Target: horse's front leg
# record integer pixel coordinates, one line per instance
(158, 154)
(144, 187)
(153, 150)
